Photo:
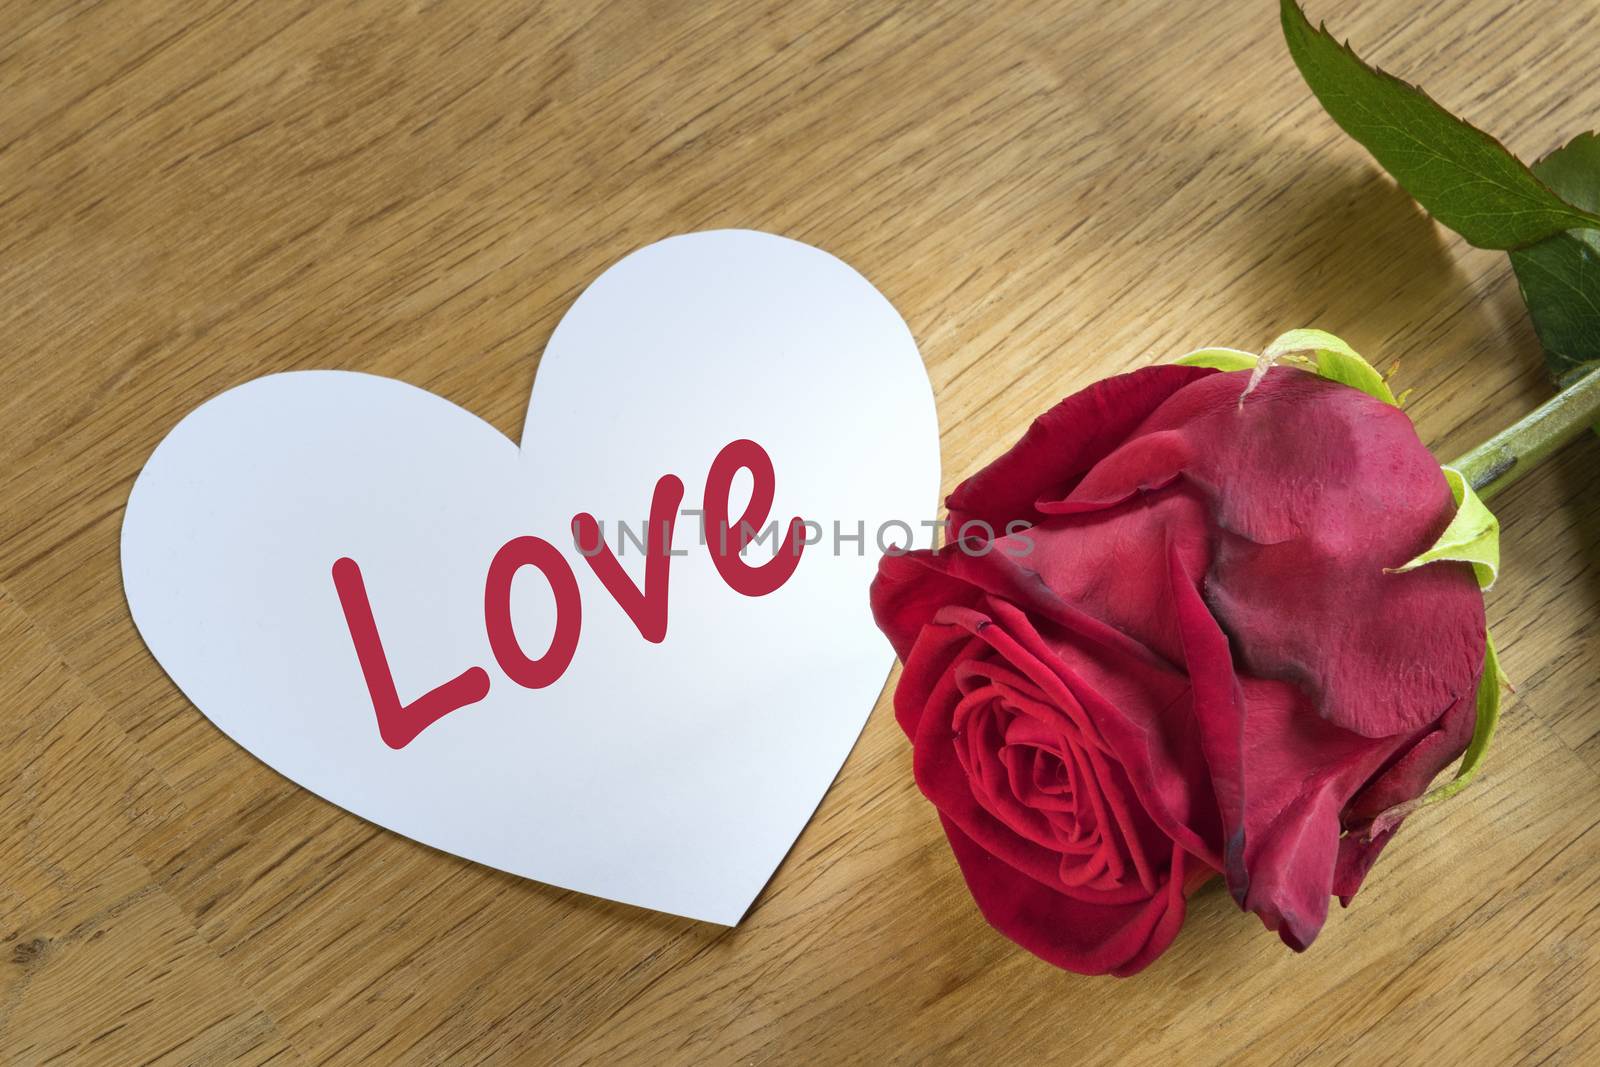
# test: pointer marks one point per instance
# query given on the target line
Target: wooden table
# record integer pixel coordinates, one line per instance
(193, 194)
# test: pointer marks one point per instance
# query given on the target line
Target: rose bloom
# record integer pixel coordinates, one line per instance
(1193, 663)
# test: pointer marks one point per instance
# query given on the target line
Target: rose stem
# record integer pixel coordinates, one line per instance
(1512, 452)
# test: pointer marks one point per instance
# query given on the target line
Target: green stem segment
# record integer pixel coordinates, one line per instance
(1517, 449)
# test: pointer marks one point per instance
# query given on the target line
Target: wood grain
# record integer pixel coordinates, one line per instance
(193, 194)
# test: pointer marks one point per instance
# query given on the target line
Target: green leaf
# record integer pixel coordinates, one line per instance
(1489, 685)
(1316, 351)
(1334, 359)
(1560, 276)
(1573, 171)
(1465, 178)
(1219, 358)
(1473, 536)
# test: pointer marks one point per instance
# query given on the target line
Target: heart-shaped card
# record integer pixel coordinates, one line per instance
(386, 600)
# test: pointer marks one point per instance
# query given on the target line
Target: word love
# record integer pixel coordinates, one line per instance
(399, 724)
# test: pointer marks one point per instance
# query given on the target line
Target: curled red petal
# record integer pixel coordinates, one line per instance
(1063, 444)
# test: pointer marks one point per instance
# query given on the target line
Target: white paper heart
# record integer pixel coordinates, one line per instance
(674, 775)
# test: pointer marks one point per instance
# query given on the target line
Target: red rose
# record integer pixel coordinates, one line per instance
(1193, 662)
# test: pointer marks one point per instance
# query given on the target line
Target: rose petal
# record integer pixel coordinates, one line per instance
(908, 590)
(1145, 720)
(1089, 938)
(1416, 764)
(1407, 778)
(1135, 693)
(940, 774)
(1281, 775)
(928, 670)
(1063, 443)
(1315, 488)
